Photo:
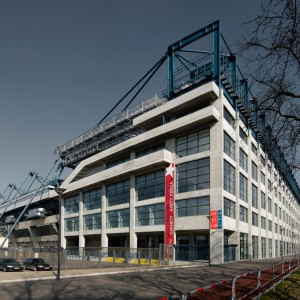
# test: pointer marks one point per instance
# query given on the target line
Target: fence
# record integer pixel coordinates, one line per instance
(86, 258)
(245, 286)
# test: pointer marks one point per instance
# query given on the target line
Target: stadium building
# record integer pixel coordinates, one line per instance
(195, 170)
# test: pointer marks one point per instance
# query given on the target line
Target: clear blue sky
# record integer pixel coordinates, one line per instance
(65, 63)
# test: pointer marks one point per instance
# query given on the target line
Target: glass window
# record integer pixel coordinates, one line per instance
(149, 150)
(229, 208)
(254, 171)
(151, 185)
(254, 196)
(243, 246)
(92, 222)
(192, 207)
(275, 209)
(263, 200)
(72, 224)
(255, 246)
(269, 225)
(243, 135)
(269, 185)
(229, 145)
(193, 143)
(269, 205)
(229, 177)
(243, 188)
(118, 193)
(254, 219)
(262, 178)
(72, 205)
(253, 148)
(150, 215)
(228, 117)
(243, 214)
(193, 175)
(263, 222)
(92, 199)
(243, 160)
(263, 247)
(118, 218)
(118, 161)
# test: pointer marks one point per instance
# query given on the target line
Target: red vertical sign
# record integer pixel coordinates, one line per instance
(169, 206)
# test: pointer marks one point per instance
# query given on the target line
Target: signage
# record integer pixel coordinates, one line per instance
(215, 221)
(169, 206)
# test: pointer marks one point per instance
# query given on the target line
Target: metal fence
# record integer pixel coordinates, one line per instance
(245, 286)
(86, 258)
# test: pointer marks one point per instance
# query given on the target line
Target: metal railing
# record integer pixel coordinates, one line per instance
(250, 285)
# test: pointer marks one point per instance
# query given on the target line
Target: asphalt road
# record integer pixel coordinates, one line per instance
(119, 283)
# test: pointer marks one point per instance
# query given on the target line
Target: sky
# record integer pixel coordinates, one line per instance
(65, 63)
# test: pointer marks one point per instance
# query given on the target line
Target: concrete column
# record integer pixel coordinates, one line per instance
(62, 213)
(33, 237)
(132, 234)
(104, 239)
(81, 237)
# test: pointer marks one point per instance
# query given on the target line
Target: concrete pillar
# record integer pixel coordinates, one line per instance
(132, 234)
(62, 225)
(33, 237)
(104, 238)
(81, 237)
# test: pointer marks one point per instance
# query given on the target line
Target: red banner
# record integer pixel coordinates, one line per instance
(213, 219)
(169, 206)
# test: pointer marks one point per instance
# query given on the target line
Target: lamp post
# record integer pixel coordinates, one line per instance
(59, 191)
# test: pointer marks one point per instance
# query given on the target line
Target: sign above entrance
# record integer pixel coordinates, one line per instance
(215, 221)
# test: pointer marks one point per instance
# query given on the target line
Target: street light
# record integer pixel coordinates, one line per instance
(59, 191)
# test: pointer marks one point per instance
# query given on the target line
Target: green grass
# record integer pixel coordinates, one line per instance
(288, 290)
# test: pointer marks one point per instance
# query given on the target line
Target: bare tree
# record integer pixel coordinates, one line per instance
(272, 52)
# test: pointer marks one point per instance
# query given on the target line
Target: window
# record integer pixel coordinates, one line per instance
(280, 213)
(193, 143)
(255, 246)
(229, 208)
(276, 228)
(262, 200)
(229, 177)
(193, 175)
(254, 219)
(92, 199)
(118, 193)
(243, 160)
(270, 247)
(253, 148)
(149, 150)
(269, 225)
(254, 171)
(275, 210)
(118, 161)
(263, 222)
(118, 218)
(192, 207)
(151, 185)
(229, 145)
(243, 188)
(243, 214)
(72, 224)
(269, 205)
(150, 215)
(92, 222)
(262, 178)
(228, 117)
(243, 135)
(263, 247)
(72, 205)
(243, 246)
(254, 196)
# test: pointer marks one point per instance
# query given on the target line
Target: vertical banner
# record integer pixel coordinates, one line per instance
(215, 219)
(169, 210)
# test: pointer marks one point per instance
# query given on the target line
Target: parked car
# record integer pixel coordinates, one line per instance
(36, 264)
(10, 264)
